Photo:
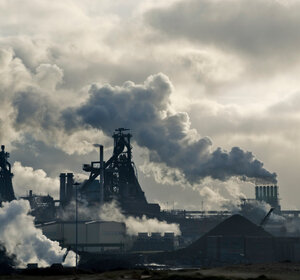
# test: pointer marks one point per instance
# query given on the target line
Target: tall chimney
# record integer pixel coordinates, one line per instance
(264, 193)
(62, 189)
(272, 192)
(70, 182)
(268, 193)
(256, 193)
(101, 175)
(260, 193)
(275, 193)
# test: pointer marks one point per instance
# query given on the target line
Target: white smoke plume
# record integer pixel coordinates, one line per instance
(134, 225)
(291, 227)
(24, 241)
(26, 178)
(84, 211)
(255, 211)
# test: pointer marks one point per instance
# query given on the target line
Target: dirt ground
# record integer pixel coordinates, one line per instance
(279, 271)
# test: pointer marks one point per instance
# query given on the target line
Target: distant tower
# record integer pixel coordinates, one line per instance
(119, 179)
(6, 187)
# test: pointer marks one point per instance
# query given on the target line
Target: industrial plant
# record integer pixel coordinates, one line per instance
(204, 237)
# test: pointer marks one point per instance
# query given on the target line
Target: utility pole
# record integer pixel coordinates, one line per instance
(76, 222)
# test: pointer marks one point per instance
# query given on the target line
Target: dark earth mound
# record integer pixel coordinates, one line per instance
(236, 225)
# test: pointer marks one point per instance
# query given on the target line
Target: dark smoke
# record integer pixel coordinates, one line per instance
(35, 109)
(147, 110)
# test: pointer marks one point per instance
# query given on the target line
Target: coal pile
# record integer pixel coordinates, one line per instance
(236, 225)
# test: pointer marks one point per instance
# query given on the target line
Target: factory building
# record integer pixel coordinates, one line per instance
(155, 242)
(92, 236)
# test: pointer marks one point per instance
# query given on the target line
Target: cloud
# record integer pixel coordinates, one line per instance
(34, 110)
(26, 178)
(49, 76)
(134, 225)
(241, 25)
(146, 109)
(224, 75)
(264, 32)
(213, 199)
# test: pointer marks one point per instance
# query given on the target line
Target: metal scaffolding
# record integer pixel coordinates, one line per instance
(6, 187)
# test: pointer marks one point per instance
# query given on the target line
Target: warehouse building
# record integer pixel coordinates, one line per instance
(92, 236)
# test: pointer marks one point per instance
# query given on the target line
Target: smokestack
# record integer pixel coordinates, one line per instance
(272, 192)
(264, 193)
(268, 193)
(275, 192)
(62, 189)
(260, 193)
(256, 193)
(70, 182)
(101, 175)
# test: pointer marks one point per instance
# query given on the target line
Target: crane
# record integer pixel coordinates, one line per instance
(266, 218)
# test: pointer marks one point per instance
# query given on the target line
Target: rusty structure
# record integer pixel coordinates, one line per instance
(6, 187)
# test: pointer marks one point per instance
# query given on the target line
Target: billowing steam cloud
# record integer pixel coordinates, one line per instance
(23, 240)
(146, 109)
(26, 178)
(111, 212)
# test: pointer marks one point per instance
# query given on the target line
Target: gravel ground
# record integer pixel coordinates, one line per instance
(279, 271)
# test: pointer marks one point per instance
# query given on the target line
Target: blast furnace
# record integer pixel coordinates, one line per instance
(117, 180)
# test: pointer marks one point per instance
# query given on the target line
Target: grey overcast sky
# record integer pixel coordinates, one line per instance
(209, 88)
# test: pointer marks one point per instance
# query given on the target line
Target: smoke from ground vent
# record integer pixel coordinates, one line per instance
(111, 212)
(147, 109)
(23, 240)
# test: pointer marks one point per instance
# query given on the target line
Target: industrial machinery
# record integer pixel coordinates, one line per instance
(42, 207)
(6, 187)
(118, 180)
(266, 218)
